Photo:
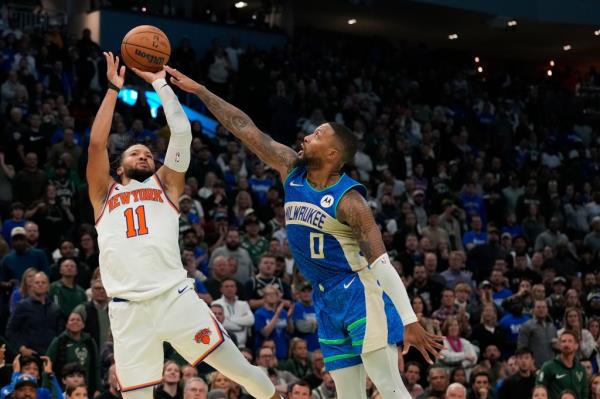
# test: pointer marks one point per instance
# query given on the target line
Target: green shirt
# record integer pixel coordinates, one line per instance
(556, 377)
(255, 249)
(66, 298)
(64, 349)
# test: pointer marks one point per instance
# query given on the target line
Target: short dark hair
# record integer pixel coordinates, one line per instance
(347, 139)
(71, 388)
(300, 383)
(523, 351)
(479, 374)
(73, 368)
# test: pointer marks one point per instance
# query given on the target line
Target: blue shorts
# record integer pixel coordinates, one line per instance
(354, 316)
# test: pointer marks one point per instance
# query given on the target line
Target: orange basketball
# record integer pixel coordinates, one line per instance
(145, 47)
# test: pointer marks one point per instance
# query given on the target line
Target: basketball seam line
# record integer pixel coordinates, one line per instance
(132, 59)
(147, 48)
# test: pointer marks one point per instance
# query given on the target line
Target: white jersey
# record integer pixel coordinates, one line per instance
(138, 237)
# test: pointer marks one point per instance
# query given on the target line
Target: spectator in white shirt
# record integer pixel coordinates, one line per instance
(238, 316)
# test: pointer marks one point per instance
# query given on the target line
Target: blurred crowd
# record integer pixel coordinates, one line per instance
(486, 190)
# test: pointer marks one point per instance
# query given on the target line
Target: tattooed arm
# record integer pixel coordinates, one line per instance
(274, 154)
(354, 211)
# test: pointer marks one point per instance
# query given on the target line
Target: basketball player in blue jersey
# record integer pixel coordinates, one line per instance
(338, 247)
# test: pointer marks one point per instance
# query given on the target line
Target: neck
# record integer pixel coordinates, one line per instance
(230, 299)
(524, 373)
(39, 297)
(68, 281)
(270, 306)
(170, 388)
(323, 177)
(567, 359)
(265, 276)
(75, 335)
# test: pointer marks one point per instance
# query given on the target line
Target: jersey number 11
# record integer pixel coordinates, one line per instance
(140, 215)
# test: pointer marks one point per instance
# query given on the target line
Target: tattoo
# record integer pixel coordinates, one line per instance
(354, 211)
(240, 125)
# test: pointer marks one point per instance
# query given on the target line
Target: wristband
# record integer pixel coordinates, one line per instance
(113, 86)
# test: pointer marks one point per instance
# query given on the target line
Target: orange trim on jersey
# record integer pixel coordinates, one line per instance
(165, 192)
(110, 190)
(215, 346)
(140, 386)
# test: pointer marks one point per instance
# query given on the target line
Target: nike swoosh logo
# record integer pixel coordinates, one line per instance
(116, 188)
(181, 290)
(348, 285)
(295, 184)
(559, 376)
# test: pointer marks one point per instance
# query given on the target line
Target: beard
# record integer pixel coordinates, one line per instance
(138, 174)
(232, 246)
(307, 162)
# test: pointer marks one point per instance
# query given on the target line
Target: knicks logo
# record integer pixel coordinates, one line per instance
(203, 336)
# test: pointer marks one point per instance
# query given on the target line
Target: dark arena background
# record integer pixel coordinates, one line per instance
(477, 125)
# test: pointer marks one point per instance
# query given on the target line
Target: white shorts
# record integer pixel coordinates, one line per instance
(177, 316)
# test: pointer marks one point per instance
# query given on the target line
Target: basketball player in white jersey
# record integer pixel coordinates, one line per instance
(138, 224)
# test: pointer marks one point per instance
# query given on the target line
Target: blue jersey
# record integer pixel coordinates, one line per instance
(324, 248)
(345, 290)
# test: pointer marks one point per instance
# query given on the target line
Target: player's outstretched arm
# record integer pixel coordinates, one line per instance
(274, 154)
(98, 166)
(354, 211)
(177, 158)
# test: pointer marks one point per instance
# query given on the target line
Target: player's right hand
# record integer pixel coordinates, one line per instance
(114, 74)
(425, 342)
(182, 81)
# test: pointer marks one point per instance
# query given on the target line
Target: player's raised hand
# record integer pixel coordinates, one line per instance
(114, 74)
(182, 81)
(425, 342)
(150, 76)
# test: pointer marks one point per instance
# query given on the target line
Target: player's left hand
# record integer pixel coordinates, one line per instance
(150, 76)
(425, 342)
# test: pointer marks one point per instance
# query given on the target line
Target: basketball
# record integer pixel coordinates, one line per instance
(146, 47)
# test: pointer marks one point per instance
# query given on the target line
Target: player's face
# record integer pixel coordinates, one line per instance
(314, 147)
(137, 163)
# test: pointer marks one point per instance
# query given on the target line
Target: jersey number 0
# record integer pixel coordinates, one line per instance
(140, 215)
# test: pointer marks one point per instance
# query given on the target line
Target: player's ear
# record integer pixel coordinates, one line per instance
(120, 171)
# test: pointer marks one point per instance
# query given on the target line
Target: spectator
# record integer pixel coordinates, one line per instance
(21, 257)
(252, 242)
(219, 313)
(564, 372)
(592, 239)
(273, 320)
(17, 211)
(30, 182)
(22, 291)
(28, 368)
(266, 276)
(455, 273)
(305, 319)
(539, 334)
(238, 316)
(540, 392)
(412, 376)
(195, 388)
(35, 321)
(458, 351)
(424, 286)
(475, 236)
(299, 390)
(220, 271)
(76, 346)
(64, 292)
(573, 321)
(267, 361)
(551, 236)
(169, 387)
(487, 332)
(481, 386)
(327, 388)
(297, 362)
(438, 380)
(232, 249)
(73, 375)
(76, 392)
(456, 391)
(522, 382)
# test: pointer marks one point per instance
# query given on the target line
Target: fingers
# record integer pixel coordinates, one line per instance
(175, 81)
(425, 355)
(122, 72)
(173, 72)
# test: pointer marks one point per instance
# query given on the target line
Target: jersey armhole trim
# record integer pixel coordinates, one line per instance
(110, 190)
(166, 195)
(357, 186)
(288, 176)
